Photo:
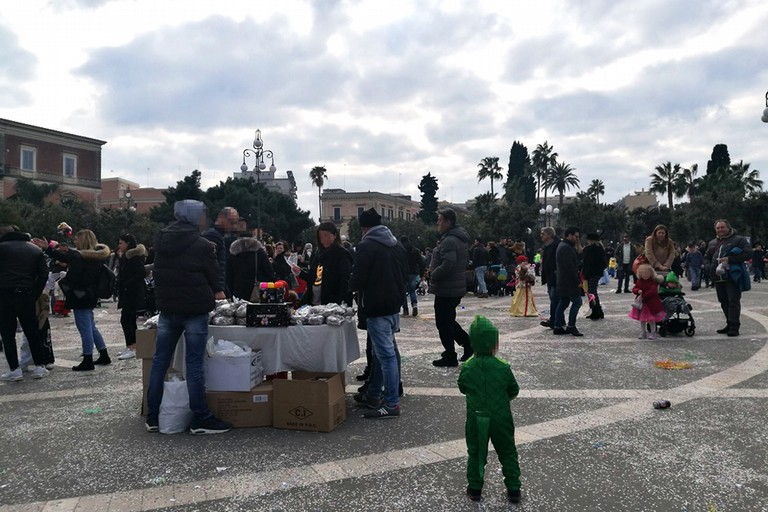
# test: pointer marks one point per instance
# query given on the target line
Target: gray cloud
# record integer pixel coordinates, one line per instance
(16, 67)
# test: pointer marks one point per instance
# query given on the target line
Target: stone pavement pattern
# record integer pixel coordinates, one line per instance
(587, 434)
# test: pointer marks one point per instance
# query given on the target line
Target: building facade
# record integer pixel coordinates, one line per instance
(285, 186)
(122, 193)
(46, 156)
(340, 206)
(642, 199)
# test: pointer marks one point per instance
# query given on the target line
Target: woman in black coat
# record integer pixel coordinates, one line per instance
(280, 264)
(244, 253)
(79, 287)
(593, 265)
(131, 289)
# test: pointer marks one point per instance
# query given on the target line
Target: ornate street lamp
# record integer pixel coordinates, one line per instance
(549, 213)
(259, 152)
(127, 195)
(765, 112)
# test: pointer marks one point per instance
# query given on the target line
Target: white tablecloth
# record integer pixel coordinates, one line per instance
(316, 348)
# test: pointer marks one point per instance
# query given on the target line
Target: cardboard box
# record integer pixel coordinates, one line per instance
(309, 401)
(233, 373)
(243, 409)
(146, 368)
(146, 340)
(268, 315)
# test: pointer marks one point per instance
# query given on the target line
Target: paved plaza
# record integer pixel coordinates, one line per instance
(588, 436)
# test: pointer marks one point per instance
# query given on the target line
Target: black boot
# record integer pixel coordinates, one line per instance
(366, 373)
(597, 313)
(103, 358)
(592, 313)
(725, 329)
(85, 365)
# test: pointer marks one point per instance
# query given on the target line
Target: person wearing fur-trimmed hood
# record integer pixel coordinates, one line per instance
(79, 287)
(131, 289)
(246, 255)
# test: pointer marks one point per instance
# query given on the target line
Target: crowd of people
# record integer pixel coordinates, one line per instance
(191, 265)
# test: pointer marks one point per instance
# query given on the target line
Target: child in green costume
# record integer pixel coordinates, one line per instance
(489, 385)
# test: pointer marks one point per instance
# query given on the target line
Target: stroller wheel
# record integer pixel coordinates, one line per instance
(689, 331)
(663, 331)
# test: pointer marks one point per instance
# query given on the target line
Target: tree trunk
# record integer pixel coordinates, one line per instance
(319, 207)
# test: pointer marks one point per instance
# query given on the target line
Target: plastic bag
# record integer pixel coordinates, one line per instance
(175, 414)
(224, 348)
(638, 302)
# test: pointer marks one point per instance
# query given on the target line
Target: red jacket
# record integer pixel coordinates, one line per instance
(650, 289)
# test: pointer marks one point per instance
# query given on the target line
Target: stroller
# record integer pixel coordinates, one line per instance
(679, 318)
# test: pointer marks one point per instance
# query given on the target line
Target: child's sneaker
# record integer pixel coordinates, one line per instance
(652, 336)
(474, 494)
(12, 376)
(513, 495)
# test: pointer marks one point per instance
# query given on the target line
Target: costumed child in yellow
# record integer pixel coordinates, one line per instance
(489, 385)
(522, 301)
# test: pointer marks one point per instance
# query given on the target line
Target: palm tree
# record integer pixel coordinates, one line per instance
(596, 189)
(665, 180)
(562, 177)
(318, 177)
(749, 180)
(489, 168)
(543, 159)
(687, 182)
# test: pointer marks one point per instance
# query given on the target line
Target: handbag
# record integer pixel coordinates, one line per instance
(640, 260)
(638, 302)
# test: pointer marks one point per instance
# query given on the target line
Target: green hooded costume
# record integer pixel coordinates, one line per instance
(665, 291)
(489, 385)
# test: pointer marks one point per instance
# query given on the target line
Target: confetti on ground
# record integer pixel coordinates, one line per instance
(95, 410)
(668, 364)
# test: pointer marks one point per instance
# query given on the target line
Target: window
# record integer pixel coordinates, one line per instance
(408, 216)
(336, 213)
(360, 210)
(389, 214)
(28, 158)
(70, 166)
(400, 214)
(383, 213)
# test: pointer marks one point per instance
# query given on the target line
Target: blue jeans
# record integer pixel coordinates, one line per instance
(382, 331)
(554, 300)
(89, 334)
(411, 283)
(170, 327)
(695, 273)
(575, 303)
(480, 274)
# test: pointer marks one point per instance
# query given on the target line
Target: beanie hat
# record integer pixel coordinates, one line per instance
(370, 218)
(672, 277)
(189, 210)
(483, 336)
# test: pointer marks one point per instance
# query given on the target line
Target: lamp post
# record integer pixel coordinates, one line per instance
(765, 112)
(128, 197)
(548, 214)
(259, 152)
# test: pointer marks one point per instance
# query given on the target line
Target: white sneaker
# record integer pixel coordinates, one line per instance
(50, 366)
(127, 354)
(12, 376)
(39, 372)
(27, 368)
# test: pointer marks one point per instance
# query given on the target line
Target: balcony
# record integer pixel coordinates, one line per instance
(45, 177)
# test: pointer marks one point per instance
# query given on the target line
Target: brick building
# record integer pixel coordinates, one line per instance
(122, 193)
(50, 157)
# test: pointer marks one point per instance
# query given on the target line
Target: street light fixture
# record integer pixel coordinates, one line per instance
(259, 152)
(765, 112)
(549, 213)
(127, 195)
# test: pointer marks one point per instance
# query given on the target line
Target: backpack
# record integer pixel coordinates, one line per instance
(105, 283)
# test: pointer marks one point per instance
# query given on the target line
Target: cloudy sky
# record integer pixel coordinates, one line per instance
(382, 92)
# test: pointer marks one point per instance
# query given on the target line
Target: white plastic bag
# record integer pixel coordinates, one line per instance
(224, 348)
(175, 414)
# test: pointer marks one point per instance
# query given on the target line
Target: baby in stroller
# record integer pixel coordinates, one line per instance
(679, 318)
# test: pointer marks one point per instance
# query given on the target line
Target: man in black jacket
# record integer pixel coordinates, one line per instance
(415, 271)
(548, 272)
(226, 222)
(480, 264)
(568, 283)
(378, 277)
(23, 275)
(186, 287)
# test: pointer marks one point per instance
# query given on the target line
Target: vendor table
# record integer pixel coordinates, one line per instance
(315, 348)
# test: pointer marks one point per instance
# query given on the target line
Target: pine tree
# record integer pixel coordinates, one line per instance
(428, 188)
